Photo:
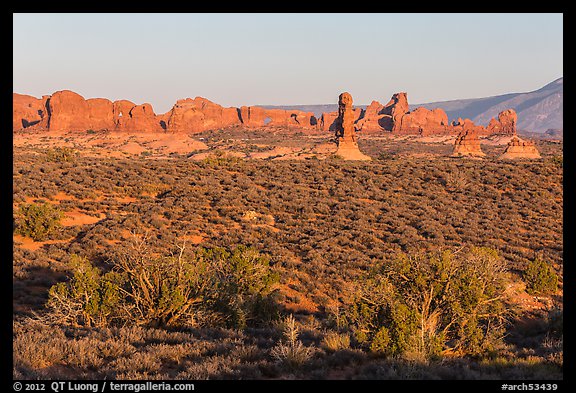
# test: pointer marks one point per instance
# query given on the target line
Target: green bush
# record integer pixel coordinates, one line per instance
(540, 278)
(38, 221)
(430, 303)
(89, 298)
(242, 285)
(210, 287)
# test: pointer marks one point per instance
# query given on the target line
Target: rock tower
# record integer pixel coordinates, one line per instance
(345, 133)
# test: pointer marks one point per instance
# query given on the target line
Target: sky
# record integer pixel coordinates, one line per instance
(285, 59)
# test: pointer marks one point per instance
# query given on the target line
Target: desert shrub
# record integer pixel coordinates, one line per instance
(242, 285)
(290, 350)
(213, 287)
(385, 156)
(334, 341)
(557, 160)
(540, 277)
(38, 221)
(456, 180)
(88, 298)
(430, 303)
(219, 158)
(61, 154)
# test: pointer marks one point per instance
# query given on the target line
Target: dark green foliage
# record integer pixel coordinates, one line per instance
(242, 282)
(89, 298)
(429, 303)
(211, 287)
(540, 277)
(38, 221)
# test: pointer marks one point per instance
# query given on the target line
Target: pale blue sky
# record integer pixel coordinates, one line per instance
(283, 59)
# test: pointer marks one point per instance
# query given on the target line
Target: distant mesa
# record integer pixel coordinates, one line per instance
(66, 110)
(345, 133)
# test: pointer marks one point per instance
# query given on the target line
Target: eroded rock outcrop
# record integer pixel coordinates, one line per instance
(369, 121)
(199, 114)
(140, 118)
(397, 118)
(397, 108)
(28, 111)
(328, 120)
(505, 124)
(345, 133)
(101, 114)
(467, 144)
(258, 117)
(424, 122)
(68, 111)
(518, 148)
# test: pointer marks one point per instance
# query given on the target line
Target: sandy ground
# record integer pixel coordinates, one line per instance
(113, 144)
(163, 145)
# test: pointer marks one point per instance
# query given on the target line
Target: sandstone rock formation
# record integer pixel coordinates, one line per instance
(467, 144)
(257, 117)
(398, 107)
(396, 118)
(101, 113)
(28, 111)
(68, 111)
(423, 121)
(140, 118)
(370, 119)
(121, 110)
(518, 148)
(345, 133)
(200, 114)
(328, 120)
(506, 123)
